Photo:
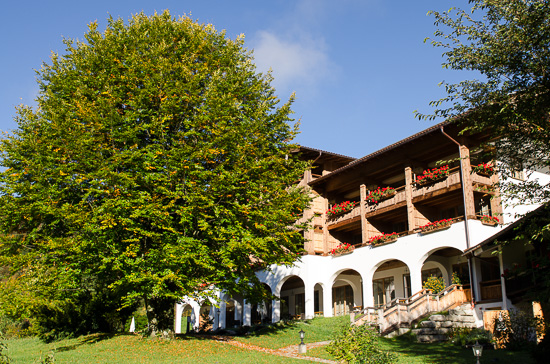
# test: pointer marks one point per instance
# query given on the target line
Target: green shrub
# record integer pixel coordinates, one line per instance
(359, 345)
(517, 330)
(456, 279)
(435, 284)
(4, 359)
(464, 336)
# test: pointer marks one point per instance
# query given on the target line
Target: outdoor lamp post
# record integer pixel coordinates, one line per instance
(478, 350)
(302, 347)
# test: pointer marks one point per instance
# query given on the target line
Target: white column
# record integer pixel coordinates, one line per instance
(275, 311)
(178, 308)
(416, 278)
(247, 314)
(368, 293)
(502, 281)
(223, 311)
(327, 300)
(195, 315)
(239, 312)
(310, 301)
(476, 272)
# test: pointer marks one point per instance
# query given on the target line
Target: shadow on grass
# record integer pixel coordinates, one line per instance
(439, 353)
(246, 331)
(90, 339)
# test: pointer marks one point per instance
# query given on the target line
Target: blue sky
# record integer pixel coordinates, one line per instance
(359, 67)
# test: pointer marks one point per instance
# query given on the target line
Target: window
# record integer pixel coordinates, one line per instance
(407, 285)
(516, 170)
(384, 291)
(300, 303)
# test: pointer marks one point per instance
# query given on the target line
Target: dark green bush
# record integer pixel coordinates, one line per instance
(464, 336)
(359, 345)
(517, 330)
(82, 314)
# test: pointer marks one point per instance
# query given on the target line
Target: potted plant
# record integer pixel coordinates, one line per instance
(342, 249)
(341, 208)
(383, 239)
(490, 220)
(380, 194)
(431, 175)
(436, 226)
(485, 169)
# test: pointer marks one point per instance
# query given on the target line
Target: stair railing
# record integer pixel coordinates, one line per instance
(406, 310)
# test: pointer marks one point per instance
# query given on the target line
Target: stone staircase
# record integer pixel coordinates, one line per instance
(398, 316)
(438, 326)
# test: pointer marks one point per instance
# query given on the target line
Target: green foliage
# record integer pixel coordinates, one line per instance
(435, 284)
(517, 330)
(4, 358)
(455, 279)
(357, 345)
(505, 43)
(84, 313)
(463, 336)
(157, 162)
(48, 359)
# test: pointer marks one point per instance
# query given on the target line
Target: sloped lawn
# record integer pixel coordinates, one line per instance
(130, 349)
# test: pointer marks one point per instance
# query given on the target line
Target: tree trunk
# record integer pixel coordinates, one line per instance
(160, 316)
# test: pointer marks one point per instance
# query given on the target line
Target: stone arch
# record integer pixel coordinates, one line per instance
(231, 312)
(291, 291)
(206, 318)
(318, 298)
(347, 291)
(445, 259)
(263, 311)
(389, 279)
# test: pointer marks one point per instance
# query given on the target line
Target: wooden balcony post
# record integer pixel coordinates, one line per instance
(362, 204)
(467, 180)
(496, 203)
(325, 228)
(411, 210)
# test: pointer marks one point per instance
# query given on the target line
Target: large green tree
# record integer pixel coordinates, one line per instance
(506, 43)
(157, 164)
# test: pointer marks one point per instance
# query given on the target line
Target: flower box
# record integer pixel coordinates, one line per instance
(341, 208)
(340, 254)
(490, 220)
(382, 239)
(439, 225)
(380, 194)
(432, 175)
(342, 249)
(484, 169)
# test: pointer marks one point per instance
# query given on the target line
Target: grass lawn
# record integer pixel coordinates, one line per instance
(287, 333)
(130, 349)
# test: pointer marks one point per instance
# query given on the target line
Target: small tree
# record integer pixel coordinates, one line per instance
(359, 345)
(158, 164)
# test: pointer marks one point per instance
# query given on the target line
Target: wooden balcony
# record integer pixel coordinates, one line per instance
(420, 194)
(398, 200)
(349, 217)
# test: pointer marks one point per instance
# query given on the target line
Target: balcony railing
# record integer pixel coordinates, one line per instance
(399, 196)
(355, 212)
(490, 290)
